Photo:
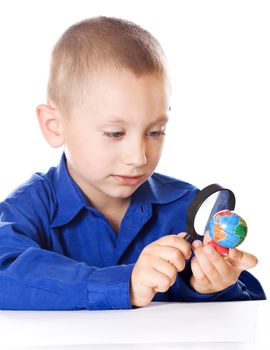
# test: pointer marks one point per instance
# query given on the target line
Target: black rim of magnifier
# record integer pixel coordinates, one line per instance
(195, 205)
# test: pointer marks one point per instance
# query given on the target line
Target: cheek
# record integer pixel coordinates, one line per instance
(97, 156)
(154, 152)
(86, 145)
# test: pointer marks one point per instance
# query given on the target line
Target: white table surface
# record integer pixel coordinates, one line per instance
(226, 325)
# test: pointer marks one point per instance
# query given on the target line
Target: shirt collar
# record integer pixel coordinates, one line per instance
(161, 189)
(69, 197)
(158, 189)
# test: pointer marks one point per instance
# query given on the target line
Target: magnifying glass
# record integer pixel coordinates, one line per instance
(212, 210)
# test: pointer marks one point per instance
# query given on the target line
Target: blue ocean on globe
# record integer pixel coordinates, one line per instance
(227, 229)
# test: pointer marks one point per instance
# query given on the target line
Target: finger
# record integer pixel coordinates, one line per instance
(241, 259)
(158, 281)
(209, 254)
(206, 238)
(196, 244)
(197, 270)
(166, 268)
(182, 234)
(217, 260)
(207, 260)
(171, 255)
(178, 242)
(218, 271)
(199, 276)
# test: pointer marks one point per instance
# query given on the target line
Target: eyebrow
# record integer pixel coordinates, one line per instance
(163, 119)
(114, 121)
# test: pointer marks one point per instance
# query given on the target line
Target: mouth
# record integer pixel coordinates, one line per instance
(128, 180)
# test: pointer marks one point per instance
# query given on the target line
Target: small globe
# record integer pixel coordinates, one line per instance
(227, 229)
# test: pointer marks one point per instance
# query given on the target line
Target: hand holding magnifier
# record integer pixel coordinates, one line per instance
(226, 228)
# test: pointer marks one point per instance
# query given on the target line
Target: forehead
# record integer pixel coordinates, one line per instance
(118, 92)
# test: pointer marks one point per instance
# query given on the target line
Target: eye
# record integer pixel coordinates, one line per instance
(155, 134)
(114, 134)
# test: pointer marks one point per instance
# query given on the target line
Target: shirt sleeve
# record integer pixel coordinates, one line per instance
(34, 278)
(246, 288)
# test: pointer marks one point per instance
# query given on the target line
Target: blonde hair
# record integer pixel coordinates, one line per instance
(93, 44)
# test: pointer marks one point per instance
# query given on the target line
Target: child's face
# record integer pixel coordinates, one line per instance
(113, 141)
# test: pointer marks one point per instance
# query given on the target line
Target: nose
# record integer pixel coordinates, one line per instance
(134, 153)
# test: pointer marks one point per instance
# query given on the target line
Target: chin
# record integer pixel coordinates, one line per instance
(124, 193)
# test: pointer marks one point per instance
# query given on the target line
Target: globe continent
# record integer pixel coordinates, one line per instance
(227, 229)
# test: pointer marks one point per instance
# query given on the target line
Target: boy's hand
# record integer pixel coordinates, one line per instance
(213, 272)
(157, 266)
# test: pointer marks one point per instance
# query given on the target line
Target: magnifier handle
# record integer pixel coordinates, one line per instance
(189, 237)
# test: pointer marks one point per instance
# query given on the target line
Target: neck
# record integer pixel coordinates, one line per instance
(112, 205)
(114, 212)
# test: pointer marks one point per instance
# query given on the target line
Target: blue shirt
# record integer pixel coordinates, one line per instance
(59, 253)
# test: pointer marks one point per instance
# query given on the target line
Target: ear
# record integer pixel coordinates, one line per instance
(50, 124)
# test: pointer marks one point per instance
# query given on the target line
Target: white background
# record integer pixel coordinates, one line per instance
(219, 57)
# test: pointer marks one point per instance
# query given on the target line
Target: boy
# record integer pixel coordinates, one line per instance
(100, 230)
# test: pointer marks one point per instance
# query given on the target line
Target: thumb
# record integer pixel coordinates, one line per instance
(182, 234)
(241, 259)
